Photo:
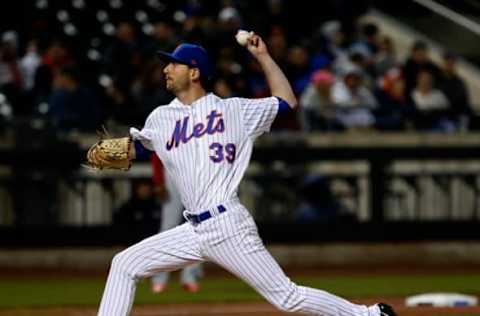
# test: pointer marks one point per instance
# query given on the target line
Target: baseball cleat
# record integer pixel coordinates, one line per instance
(192, 287)
(159, 288)
(386, 310)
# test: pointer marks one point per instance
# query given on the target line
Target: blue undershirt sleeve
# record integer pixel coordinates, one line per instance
(141, 152)
(283, 107)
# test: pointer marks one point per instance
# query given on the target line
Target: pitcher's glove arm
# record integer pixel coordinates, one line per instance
(113, 153)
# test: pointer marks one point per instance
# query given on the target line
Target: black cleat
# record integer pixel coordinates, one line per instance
(386, 310)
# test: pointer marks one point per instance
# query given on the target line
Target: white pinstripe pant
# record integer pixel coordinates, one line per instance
(172, 211)
(230, 240)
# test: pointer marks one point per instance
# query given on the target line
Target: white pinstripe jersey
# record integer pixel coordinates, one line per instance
(206, 146)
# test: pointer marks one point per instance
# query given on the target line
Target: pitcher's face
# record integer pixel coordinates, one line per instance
(177, 77)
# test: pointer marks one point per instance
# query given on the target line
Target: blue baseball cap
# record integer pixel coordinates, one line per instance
(192, 55)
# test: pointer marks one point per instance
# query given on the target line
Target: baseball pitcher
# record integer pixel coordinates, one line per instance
(205, 144)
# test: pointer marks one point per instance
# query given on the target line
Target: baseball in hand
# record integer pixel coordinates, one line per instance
(242, 37)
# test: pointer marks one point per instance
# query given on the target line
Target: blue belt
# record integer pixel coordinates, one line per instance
(198, 218)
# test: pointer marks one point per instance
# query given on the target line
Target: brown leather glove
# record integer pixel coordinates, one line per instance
(113, 153)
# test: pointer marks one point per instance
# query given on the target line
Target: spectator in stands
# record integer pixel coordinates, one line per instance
(368, 43)
(456, 91)
(73, 105)
(317, 103)
(394, 109)
(336, 39)
(360, 58)
(418, 60)
(321, 56)
(298, 68)
(29, 64)
(371, 37)
(277, 45)
(386, 57)
(354, 101)
(431, 105)
(122, 58)
(365, 66)
(55, 57)
(11, 81)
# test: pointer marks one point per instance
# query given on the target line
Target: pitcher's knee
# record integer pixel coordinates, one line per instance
(120, 264)
(290, 301)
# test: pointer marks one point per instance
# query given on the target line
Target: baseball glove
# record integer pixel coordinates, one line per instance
(113, 153)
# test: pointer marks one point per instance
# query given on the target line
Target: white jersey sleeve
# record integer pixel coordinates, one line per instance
(146, 135)
(259, 114)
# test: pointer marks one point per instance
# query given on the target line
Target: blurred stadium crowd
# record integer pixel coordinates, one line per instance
(79, 64)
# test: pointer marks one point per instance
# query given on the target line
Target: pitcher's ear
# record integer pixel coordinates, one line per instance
(195, 74)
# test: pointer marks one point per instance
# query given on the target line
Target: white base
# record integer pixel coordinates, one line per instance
(441, 300)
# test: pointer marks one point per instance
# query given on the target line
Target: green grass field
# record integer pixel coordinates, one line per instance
(87, 291)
